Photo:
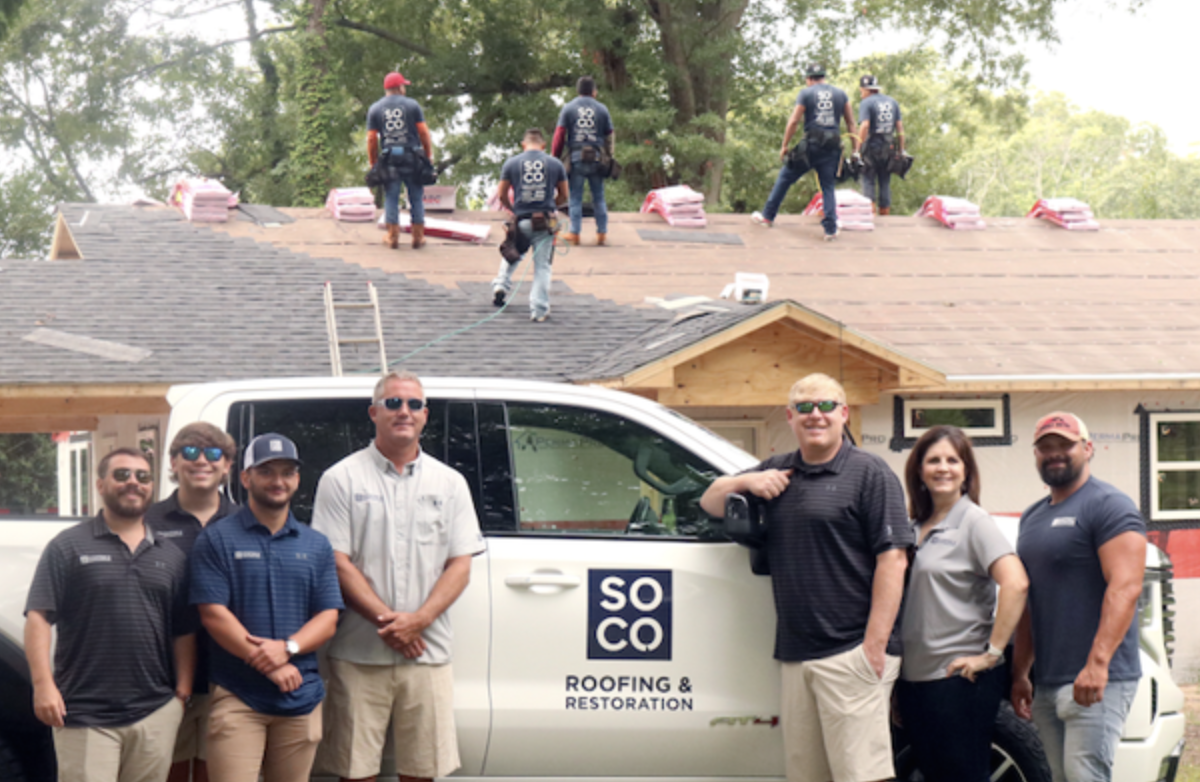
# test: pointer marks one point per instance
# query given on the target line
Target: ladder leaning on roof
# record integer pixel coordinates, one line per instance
(336, 342)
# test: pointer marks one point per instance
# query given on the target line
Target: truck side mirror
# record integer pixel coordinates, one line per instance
(744, 520)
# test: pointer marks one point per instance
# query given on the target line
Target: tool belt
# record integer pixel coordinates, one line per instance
(877, 152)
(823, 139)
(589, 155)
(798, 156)
(409, 163)
(515, 242)
(543, 222)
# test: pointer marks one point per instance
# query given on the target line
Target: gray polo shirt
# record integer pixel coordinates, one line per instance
(399, 527)
(951, 599)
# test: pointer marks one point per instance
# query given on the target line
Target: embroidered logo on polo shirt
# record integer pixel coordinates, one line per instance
(432, 499)
(88, 559)
(170, 533)
(301, 555)
(247, 555)
(1063, 521)
(364, 497)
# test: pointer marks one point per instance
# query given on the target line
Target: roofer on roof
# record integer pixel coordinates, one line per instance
(882, 135)
(583, 141)
(396, 130)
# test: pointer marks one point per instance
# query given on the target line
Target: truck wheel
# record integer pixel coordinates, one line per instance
(1017, 754)
(11, 768)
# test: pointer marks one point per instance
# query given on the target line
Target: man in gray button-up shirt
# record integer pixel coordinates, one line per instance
(403, 529)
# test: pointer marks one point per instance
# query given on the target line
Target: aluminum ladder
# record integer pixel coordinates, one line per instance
(336, 342)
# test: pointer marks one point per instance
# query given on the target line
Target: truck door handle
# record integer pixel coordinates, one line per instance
(543, 579)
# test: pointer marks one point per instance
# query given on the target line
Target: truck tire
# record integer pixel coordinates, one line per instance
(1017, 754)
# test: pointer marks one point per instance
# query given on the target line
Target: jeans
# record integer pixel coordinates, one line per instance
(949, 722)
(580, 173)
(1081, 741)
(416, 201)
(825, 163)
(543, 256)
(885, 186)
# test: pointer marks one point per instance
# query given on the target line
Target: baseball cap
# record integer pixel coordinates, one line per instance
(394, 80)
(1066, 425)
(268, 448)
(814, 70)
(869, 82)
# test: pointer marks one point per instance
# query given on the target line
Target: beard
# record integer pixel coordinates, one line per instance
(266, 500)
(127, 503)
(1059, 473)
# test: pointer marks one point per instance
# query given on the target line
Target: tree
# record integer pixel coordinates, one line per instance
(28, 469)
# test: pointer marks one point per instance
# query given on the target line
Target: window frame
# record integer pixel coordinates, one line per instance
(905, 436)
(1152, 465)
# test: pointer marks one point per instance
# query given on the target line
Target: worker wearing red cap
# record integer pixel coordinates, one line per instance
(396, 128)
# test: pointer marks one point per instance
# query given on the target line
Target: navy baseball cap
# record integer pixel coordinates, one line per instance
(268, 448)
(869, 82)
(814, 70)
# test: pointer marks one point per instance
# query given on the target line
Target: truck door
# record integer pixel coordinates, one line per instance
(629, 638)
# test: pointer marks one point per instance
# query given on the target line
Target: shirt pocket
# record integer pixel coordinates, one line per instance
(430, 521)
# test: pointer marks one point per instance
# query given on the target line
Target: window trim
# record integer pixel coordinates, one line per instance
(905, 436)
(1151, 466)
(761, 450)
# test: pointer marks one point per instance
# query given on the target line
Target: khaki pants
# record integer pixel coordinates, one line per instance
(836, 719)
(192, 739)
(140, 752)
(241, 742)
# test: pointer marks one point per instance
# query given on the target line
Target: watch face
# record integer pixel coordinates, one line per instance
(292, 647)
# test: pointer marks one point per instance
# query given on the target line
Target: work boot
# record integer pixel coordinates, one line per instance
(572, 239)
(601, 239)
(392, 239)
(418, 236)
(885, 210)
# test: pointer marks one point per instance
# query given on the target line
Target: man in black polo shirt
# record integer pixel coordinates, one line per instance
(837, 534)
(126, 649)
(201, 455)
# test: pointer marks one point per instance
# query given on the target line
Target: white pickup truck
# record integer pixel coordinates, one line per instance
(611, 630)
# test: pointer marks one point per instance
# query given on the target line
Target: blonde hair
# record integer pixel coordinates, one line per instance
(395, 374)
(816, 387)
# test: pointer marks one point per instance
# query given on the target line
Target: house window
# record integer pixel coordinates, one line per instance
(1174, 466)
(985, 420)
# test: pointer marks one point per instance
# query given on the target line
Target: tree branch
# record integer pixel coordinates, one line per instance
(379, 32)
(508, 88)
(206, 50)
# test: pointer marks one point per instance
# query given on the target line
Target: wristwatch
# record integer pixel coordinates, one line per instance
(995, 651)
(293, 648)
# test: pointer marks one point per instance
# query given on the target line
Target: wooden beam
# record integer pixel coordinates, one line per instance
(45, 390)
(46, 423)
(62, 245)
(1048, 385)
(87, 406)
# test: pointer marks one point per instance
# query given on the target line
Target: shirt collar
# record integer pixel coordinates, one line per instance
(250, 522)
(100, 529)
(954, 518)
(385, 464)
(175, 511)
(834, 465)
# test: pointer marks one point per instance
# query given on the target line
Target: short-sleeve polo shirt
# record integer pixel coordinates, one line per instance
(274, 584)
(824, 533)
(398, 527)
(951, 599)
(117, 612)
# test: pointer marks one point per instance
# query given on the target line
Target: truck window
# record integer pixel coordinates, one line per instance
(581, 471)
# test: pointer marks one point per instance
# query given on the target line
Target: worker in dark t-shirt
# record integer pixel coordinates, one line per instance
(126, 648)
(836, 543)
(396, 130)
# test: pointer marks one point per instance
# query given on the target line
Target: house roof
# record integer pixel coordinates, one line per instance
(1020, 304)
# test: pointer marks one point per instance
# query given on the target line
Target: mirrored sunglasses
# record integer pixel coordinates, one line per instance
(123, 474)
(395, 403)
(825, 406)
(192, 452)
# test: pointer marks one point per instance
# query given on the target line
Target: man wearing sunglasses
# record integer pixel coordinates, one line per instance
(836, 540)
(404, 529)
(200, 458)
(126, 646)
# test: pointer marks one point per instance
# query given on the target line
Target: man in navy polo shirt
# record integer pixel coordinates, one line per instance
(268, 594)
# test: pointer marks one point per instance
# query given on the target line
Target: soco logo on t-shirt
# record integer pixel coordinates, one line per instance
(629, 614)
(533, 181)
(393, 121)
(825, 109)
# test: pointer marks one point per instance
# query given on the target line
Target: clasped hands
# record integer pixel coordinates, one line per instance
(402, 632)
(270, 658)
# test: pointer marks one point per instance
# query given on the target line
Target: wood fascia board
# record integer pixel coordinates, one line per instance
(26, 424)
(83, 400)
(62, 245)
(1054, 386)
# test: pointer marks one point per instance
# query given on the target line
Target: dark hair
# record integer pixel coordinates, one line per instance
(102, 468)
(534, 135)
(920, 504)
(586, 85)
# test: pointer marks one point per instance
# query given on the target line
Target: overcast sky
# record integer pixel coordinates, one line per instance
(1134, 65)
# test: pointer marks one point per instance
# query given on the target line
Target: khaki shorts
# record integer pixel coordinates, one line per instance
(242, 741)
(140, 752)
(836, 719)
(192, 739)
(417, 699)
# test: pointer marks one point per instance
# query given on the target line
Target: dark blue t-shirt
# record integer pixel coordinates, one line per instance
(1059, 546)
(882, 111)
(824, 106)
(534, 177)
(395, 118)
(587, 123)
(273, 584)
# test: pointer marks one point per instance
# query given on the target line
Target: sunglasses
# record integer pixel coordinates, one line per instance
(192, 452)
(395, 403)
(825, 406)
(123, 474)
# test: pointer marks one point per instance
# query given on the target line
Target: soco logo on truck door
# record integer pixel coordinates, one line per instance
(629, 615)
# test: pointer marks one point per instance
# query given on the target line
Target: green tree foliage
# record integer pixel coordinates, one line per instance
(28, 465)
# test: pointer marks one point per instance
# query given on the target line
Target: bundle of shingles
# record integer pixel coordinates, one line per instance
(958, 214)
(679, 205)
(1069, 213)
(854, 210)
(445, 229)
(351, 204)
(203, 200)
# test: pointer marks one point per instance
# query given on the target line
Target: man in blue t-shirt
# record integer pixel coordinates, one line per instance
(1084, 547)
(821, 107)
(532, 185)
(268, 594)
(583, 140)
(881, 133)
(396, 129)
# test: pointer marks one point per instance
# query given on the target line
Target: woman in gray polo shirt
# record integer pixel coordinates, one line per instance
(954, 625)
